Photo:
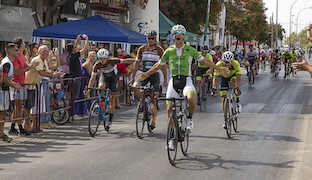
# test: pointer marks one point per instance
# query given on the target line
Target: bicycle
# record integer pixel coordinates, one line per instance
(176, 131)
(58, 103)
(275, 70)
(99, 111)
(203, 92)
(144, 110)
(231, 110)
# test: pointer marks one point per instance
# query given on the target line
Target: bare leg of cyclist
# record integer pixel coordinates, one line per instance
(137, 93)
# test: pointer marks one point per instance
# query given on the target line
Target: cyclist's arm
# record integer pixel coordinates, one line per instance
(207, 62)
(135, 68)
(154, 69)
(92, 80)
(164, 70)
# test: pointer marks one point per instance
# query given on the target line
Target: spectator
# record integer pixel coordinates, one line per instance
(74, 61)
(31, 51)
(170, 40)
(6, 67)
(20, 67)
(135, 51)
(93, 47)
(63, 62)
(86, 69)
(35, 76)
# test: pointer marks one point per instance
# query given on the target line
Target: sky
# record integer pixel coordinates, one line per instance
(305, 16)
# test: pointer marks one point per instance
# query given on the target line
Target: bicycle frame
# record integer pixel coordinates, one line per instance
(102, 110)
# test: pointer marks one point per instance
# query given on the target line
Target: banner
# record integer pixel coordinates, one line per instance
(144, 20)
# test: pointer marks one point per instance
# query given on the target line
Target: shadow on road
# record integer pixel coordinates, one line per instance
(205, 161)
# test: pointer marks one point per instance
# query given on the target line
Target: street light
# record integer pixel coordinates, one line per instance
(290, 22)
(298, 19)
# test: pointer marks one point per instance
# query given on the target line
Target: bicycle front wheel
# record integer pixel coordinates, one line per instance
(150, 115)
(140, 121)
(172, 140)
(62, 116)
(184, 136)
(227, 118)
(202, 97)
(94, 117)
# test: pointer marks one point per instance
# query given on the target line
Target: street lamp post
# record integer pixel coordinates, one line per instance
(298, 19)
(290, 22)
(276, 31)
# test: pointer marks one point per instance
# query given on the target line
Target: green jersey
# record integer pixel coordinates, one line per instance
(180, 59)
(202, 65)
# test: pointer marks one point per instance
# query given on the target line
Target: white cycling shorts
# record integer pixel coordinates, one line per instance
(171, 92)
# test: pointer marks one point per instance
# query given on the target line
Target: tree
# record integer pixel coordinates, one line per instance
(191, 13)
(301, 38)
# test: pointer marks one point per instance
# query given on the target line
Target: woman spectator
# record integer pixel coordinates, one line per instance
(31, 51)
(86, 69)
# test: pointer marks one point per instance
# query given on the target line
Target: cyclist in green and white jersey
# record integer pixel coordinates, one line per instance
(203, 69)
(180, 58)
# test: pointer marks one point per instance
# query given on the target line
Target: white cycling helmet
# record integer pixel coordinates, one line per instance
(227, 56)
(102, 53)
(212, 53)
(178, 27)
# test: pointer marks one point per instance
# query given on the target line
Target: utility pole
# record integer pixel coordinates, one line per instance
(276, 31)
(207, 22)
(272, 40)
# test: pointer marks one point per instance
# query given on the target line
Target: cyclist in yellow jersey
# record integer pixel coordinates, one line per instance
(234, 77)
(203, 69)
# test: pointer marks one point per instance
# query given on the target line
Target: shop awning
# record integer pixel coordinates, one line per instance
(16, 22)
(165, 26)
(96, 27)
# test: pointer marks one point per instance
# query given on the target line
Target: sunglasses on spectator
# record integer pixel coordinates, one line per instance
(151, 38)
(178, 32)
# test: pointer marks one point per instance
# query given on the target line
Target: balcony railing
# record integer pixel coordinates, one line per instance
(114, 4)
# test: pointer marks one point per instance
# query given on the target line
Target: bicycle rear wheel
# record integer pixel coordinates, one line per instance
(172, 135)
(140, 119)
(184, 136)
(62, 116)
(227, 118)
(94, 117)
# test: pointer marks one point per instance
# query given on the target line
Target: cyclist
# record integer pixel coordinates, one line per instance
(251, 59)
(276, 59)
(203, 69)
(294, 56)
(264, 56)
(234, 77)
(108, 78)
(214, 56)
(148, 55)
(286, 59)
(180, 57)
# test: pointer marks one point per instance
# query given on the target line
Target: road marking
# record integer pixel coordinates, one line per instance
(291, 109)
(253, 107)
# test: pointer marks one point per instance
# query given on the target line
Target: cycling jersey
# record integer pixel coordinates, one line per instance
(251, 56)
(202, 65)
(293, 54)
(286, 56)
(180, 59)
(149, 58)
(234, 69)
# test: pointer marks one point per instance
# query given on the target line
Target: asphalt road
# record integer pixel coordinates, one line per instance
(274, 142)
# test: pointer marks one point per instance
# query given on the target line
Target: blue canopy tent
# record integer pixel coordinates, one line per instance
(96, 27)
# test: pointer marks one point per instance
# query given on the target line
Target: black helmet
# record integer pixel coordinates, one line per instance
(152, 33)
(205, 48)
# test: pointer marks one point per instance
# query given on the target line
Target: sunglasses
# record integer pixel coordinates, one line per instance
(226, 62)
(178, 32)
(151, 38)
(47, 44)
(205, 51)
